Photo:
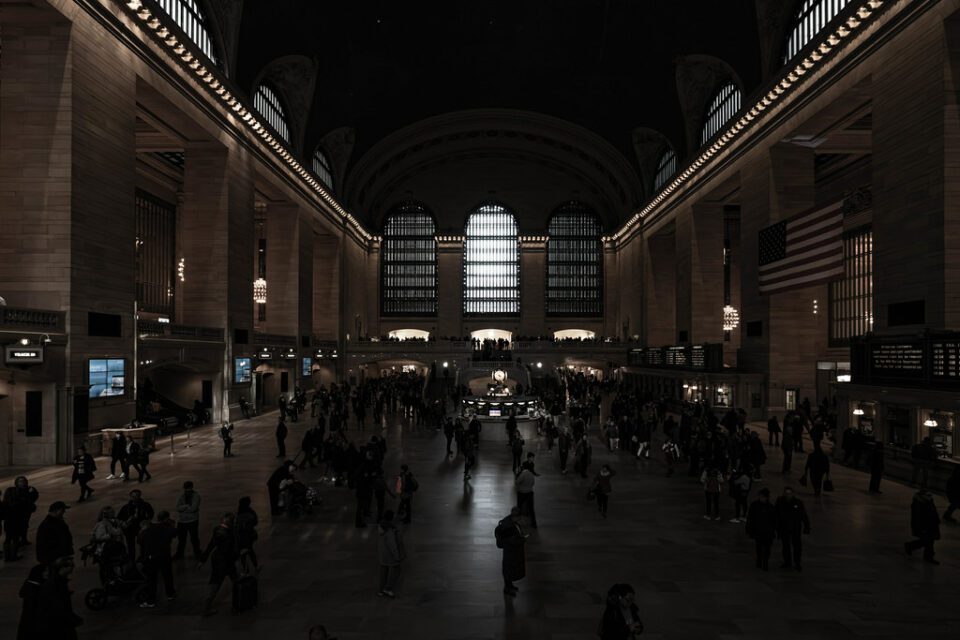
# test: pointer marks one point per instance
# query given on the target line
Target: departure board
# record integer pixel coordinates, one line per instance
(897, 360)
(945, 360)
(676, 356)
(698, 357)
(654, 357)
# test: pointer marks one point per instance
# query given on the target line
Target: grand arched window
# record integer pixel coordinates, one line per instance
(321, 168)
(190, 19)
(725, 104)
(810, 20)
(409, 262)
(270, 107)
(574, 262)
(666, 167)
(491, 263)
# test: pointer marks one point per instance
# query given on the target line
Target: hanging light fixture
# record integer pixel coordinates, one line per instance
(182, 269)
(731, 318)
(260, 291)
(931, 423)
(858, 411)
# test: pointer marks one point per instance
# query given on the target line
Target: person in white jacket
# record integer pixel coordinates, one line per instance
(524, 483)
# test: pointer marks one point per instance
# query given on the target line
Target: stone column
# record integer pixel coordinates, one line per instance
(660, 280)
(699, 251)
(450, 285)
(282, 231)
(326, 287)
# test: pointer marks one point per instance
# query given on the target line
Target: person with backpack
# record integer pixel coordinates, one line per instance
(512, 539)
(222, 553)
(392, 554)
(740, 483)
(226, 434)
(407, 485)
(712, 480)
(621, 616)
(762, 527)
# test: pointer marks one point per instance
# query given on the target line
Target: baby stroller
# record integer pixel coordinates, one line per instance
(119, 577)
(298, 499)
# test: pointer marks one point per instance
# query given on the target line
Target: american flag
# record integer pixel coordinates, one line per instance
(801, 251)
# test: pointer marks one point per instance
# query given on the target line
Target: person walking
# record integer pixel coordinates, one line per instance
(47, 611)
(392, 554)
(188, 521)
(953, 495)
(762, 527)
(773, 431)
(924, 524)
(740, 484)
(222, 553)
(155, 542)
(876, 461)
(524, 483)
(118, 453)
(786, 446)
(564, 442)
(671, 454)
(712, 480)
(54, 540)
(132, 515)
(818, 468)
(246, 527)
(621, 616)
(448, 433)
(407, 485)
(516, 448)
(83, 468)
(512, 539)
(131, 458)
(18, 504)
(380, 491)
(584, 453)
(281, 435)
(279, 475)
(143, 460)
(226, 434)
(791, 520)
(603, 488)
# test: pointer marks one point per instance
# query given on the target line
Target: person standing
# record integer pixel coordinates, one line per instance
(392, 554)
(188, 521)
(621, 617)
(516, 448)
(604, 488)
(876, 461)
(564, 442)
(363, 485)
(118, 454)
(281, 434)
(246, 526)
(226, 434)
(83, 468)
(953, 495)
(132, 515)
(131, 458)
(791, 520)
(671, 454)
(380, 491)
(19, 503)
(47, 610)
(512, 539)
(818, 468)
(773, 431)
(786, 446)
(155, 542)
(54, 540)
(222, 553)
(762, 527)
(469, 452)
(244, 407)
(407, 485)
(281, 473)
(448, 432)
(712, 480)
(524, 483)
(583, 453)
(924, 524)
(740, 484)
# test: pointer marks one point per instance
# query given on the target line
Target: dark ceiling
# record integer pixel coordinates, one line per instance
(607, 65)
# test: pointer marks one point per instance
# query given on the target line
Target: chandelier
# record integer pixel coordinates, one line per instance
(731, 318)
(260, 291)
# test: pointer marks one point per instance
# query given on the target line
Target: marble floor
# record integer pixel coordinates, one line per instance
(694, 579)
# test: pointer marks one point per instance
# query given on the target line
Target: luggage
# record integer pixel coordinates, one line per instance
(245, 594)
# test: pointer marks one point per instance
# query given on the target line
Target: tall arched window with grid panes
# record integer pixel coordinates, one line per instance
(725, 105)
(491, 263)
(322, 168)
(574, 262)
(810, 20)
(189, 17)
(408, 262)
(666, 167)
(266, 101)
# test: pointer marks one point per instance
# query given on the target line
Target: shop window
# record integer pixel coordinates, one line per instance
(939, 427)
(790, 399)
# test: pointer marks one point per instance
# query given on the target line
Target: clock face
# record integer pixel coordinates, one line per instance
(499, 375)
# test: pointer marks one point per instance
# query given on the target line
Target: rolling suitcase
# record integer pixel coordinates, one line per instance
(245, 593)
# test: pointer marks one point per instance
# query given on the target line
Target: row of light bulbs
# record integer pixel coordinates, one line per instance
(806, 65)
(187, 59)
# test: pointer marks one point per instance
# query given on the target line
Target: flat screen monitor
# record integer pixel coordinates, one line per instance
(107, 377)
(307, 367)
(494, 413)
(242, 370)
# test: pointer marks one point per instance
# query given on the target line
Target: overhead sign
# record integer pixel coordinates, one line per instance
(17, 354)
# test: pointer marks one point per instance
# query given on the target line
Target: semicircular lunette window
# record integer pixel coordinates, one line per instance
(574, 262)
(266, 101)
(189, 17)
(725, 105)
(666, 167)
(491, 263)
(322, 169)
(810, 20)
(408, 273)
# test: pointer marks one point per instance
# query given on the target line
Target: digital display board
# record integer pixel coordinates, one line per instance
(106, 377)
(242, 370)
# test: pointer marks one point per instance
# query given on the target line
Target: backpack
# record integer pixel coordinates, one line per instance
(500, 532)
(412, 484)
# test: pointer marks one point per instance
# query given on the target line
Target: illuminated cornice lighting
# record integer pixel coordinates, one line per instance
(785, 86)
(209, 78)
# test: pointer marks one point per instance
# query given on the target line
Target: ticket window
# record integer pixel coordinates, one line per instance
(723, 396)
(790, 399)
(940, 428)
(897, 427)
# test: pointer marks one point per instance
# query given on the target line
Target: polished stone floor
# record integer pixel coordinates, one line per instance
(694, 579)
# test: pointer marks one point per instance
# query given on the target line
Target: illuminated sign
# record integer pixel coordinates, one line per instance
(18, 354)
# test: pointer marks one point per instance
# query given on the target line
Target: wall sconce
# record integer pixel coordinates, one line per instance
(181, 269)
(816, 307)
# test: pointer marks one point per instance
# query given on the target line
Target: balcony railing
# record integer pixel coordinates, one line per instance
(34, 320)
(275, 340)
(151, 329)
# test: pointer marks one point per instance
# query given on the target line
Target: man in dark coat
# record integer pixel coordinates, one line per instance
(273, 485)
(281, 437)
(155, 542)
(512, 539)
(19, 503)
(47, 610)
(131, 516)
(118, 452)
(762, 527)
(791, 520)
(54, 540)
(925, 525)
(83, 468)
(786, 445)
(222, 553)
